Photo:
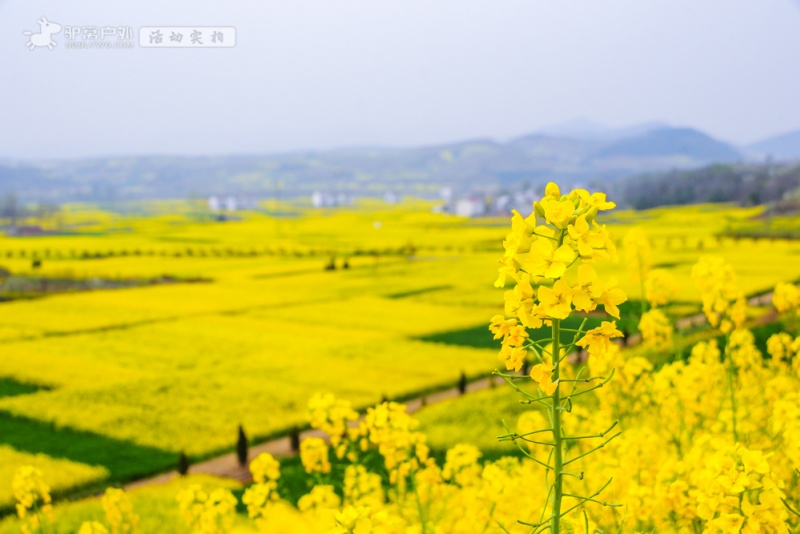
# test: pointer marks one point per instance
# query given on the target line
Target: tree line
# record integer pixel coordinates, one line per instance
(744, 184)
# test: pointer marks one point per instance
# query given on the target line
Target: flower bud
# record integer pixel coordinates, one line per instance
(552, 190)
(538, 209)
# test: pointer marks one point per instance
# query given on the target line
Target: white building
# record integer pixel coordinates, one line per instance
(321, 199)
(470, 207)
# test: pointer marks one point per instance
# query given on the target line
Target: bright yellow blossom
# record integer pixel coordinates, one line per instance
(542, 373)
(597, 340)
(558, 212)
(609, 296)
(587, 241)
(513, 357)
(552, 190)
(501, 327)
(545, 259)
(556, 302)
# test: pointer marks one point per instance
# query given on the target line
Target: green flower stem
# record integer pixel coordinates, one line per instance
(555, 417)
(731, 387)
(641, 282)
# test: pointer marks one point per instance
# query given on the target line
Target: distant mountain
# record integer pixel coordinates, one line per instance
(596, 156)
(589, 130)
(781, 147)
(577, 129)
(672, 142)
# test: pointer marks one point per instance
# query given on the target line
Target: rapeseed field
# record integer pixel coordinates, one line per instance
(327, 317)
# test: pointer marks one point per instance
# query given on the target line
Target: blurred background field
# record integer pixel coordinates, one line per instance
(193, 327)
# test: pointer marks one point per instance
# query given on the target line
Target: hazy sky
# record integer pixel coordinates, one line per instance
(315, 74)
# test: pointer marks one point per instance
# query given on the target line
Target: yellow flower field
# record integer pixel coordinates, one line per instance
(241, 323)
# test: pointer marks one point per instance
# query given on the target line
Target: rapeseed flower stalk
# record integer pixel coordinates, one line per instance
(786, 298)
(655, 325)
(266, 472)
(320, 498)
(33, 499)
(332, 416)
(119, 511)
(207, 512)
(725, 308)
(315, 456)
(659, 287)
(638, 259)
(561, 232)
(655, 328)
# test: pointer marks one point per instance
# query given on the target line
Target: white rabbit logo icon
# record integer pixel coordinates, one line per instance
(44, 37)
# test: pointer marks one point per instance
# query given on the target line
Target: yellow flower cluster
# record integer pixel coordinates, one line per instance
(266, 472)
(723, 302)
(320, 499)
(546, 251)
(461, 465)
(392, 431)
(784, 350)
(119, 511)
(743, 351)
(332, 416)
(786, 298)
(638, 254)
(265, 468)
(92, 527)
(361, 520)
(314, 455)
(386, 428)
(33, 498)
(362, 487)
(207, 512)
(736, 492)
(537, 257)
(512, 351)
(597, 340)
(656, 328)
(660, 287)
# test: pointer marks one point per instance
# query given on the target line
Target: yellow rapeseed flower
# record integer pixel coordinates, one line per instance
(542, 374)
(556, 302)
(597, 340)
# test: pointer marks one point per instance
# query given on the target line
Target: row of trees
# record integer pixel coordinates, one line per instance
(745, 184)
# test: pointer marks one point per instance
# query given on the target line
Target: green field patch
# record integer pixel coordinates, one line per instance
(11, 388)
(123, 459)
